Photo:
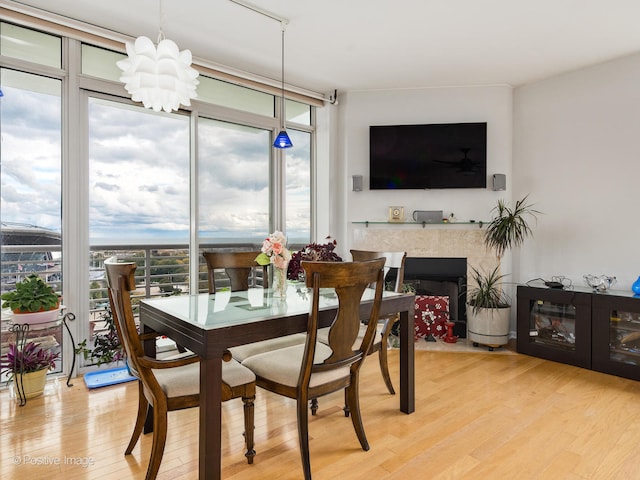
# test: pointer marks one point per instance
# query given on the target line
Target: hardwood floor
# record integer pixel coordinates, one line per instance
(477, 416)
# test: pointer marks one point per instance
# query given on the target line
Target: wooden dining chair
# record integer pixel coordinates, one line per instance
(314, 369)
(169, 384)
(393, 263)
(238, 267)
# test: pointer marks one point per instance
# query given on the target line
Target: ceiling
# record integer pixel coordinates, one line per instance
(381, 44)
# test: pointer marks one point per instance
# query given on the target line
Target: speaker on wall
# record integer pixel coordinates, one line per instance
(499, 181)
(357, 183)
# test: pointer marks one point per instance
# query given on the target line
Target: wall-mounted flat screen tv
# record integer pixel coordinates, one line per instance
(444, 155)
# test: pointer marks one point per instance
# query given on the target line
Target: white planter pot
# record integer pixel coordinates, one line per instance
(35, 317)
(488, 326)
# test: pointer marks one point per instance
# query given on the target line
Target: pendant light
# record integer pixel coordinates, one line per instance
(162, 78)
(283, 140)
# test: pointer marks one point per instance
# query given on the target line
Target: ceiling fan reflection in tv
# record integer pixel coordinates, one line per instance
(465, 166)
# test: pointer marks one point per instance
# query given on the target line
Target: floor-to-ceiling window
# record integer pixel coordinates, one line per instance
(135, 169)
(30, 169)
(138, 196)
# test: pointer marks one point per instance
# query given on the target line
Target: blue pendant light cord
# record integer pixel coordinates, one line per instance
(283, 140)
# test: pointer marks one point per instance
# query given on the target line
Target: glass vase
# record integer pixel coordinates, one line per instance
(279, 284)
(636, 286)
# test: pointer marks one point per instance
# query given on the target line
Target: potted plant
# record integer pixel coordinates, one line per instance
(28, 367)
(488, 306)
(33, 300)
(106, 344)
(312, 252)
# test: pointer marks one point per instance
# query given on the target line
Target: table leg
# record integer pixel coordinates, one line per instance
(149, 347)
(407, 363)
(210, 455)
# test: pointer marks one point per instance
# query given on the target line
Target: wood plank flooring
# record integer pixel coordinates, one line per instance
(478, 416)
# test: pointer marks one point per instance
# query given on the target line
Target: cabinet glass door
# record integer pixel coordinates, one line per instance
(616, 334)
(624, 338)
(553, 324)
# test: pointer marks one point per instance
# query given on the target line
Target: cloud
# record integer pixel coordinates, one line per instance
(139, 171)
(107, 186)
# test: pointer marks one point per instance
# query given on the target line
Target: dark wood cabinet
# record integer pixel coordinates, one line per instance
(600, 331)
(616, 335)
(555, 324)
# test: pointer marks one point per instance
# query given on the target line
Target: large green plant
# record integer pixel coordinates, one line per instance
(487, 292)
(31, 295)
(509, 226)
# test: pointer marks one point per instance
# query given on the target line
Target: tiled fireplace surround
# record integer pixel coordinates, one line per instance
(442, 241)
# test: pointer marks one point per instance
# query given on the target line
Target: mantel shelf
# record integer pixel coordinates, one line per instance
(366, 223)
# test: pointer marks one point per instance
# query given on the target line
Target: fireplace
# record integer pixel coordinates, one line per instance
(441, 276)
(435, 242)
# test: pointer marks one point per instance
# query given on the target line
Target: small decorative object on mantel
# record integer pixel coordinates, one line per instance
(275, 252)
(635, 288)
(396, 214)
(601, 283)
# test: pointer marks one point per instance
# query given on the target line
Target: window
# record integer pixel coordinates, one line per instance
(31, 190)
(138, 175)
(131, 170)
(241, 98)
(298, 188)
(30, 45)
(101, 63)
(234, 183)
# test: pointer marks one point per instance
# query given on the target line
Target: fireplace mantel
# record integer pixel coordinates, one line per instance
(418, 242)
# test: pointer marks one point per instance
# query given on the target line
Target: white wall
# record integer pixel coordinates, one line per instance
(359, 110)
(577, 151)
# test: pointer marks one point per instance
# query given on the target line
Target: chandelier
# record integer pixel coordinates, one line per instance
(161, 78)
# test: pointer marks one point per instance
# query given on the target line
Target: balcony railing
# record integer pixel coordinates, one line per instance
(162, 269)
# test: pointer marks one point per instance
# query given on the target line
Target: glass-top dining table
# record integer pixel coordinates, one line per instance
(208, 325)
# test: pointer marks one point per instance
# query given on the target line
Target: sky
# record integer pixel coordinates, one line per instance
(139, 172)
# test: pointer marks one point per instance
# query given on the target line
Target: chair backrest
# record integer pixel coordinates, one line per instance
(349, 279)
(121, 281)
(394, 262)
(238, 267)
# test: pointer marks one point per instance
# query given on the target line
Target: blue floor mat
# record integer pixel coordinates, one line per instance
(104, 378)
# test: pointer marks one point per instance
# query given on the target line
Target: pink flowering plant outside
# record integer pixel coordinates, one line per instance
(274, 251)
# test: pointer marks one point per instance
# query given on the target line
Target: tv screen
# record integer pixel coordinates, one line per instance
(446, 155)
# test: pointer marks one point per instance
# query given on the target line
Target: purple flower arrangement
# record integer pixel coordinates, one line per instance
(313, 252)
